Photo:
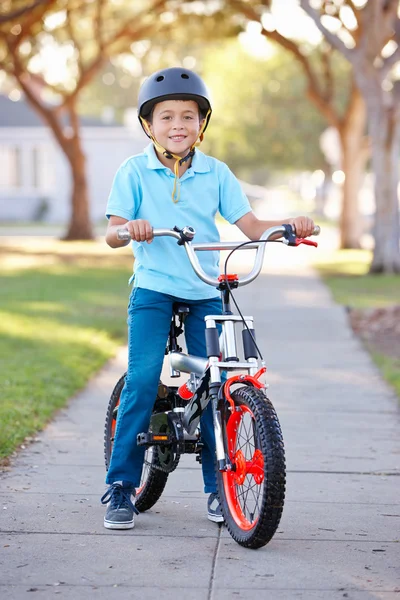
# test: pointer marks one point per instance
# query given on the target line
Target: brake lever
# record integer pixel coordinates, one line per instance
(299, 241)
(293, 240)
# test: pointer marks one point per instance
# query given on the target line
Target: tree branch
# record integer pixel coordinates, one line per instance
(86, 75)
(356, 12)
(343, 25)
(313, 91)
(47, 114)
(98, 25)
(390, 19)
(327, 69)
(396, 93)
(21, 11)
(127, 30)
(330, 37)
(71, 33)
(390, 61)
(26, 25)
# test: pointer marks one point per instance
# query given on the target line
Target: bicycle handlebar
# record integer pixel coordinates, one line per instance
(186, 235)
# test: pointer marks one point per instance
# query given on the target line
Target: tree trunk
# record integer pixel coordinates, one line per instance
(79, 227)
(383, 115)
(353, 166)
(354, 157)
(385, 130)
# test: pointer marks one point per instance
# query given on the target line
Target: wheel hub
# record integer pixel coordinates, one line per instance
(243, 467)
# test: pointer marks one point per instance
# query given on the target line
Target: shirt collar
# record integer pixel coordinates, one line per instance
(199, 161)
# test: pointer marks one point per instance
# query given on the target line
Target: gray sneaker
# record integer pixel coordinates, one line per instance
(214, 509)
(120, 509)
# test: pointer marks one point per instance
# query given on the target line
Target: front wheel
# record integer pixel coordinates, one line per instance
(252, 493)
(153, 480)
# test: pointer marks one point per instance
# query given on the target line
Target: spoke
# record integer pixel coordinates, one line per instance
(245, 499)
(247, 428)
(246, 438)
(250, 433)
(256, 498)
(245, 504)
(238, 495)
(148, 459)
(246, 442)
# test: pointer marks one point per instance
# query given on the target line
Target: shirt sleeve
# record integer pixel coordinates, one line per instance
(125, 196)
(233, 202)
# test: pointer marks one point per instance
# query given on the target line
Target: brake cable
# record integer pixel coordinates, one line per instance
(231, 291)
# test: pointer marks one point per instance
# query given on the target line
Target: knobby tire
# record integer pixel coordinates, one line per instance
(153, 480)
(256, 416)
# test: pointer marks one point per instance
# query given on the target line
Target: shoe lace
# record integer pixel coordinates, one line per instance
(119, 497)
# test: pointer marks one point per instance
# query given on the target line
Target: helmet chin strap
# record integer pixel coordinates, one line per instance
(179, 160)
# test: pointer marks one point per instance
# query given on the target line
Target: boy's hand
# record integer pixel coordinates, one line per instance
(140, 230)
(303, 226)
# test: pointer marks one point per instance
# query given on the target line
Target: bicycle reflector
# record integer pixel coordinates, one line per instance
(232, 277)
(184, 392)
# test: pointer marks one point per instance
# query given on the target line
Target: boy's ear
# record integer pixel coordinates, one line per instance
(149, 126)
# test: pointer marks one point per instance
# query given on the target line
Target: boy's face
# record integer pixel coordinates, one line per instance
(176, 125)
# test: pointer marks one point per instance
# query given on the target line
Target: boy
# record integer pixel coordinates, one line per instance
(170, 183)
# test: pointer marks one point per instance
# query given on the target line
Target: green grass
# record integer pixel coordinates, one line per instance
(58, 325)
(346, 274)
(390, 368)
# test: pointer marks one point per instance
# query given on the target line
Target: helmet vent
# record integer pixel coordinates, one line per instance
(160, 78)
(184, 76)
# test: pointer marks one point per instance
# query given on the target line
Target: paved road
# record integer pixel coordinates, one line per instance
(339, 535)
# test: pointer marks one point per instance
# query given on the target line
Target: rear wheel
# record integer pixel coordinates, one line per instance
(153, 480)
(253, 492)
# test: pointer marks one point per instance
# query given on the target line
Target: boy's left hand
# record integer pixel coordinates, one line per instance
(303, 226)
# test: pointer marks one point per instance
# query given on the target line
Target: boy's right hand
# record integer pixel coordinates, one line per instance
(140, 230)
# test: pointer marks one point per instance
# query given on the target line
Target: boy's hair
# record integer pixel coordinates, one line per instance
(149, 117)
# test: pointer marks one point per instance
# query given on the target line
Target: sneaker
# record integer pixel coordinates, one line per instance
(120, 509)
(214, 509)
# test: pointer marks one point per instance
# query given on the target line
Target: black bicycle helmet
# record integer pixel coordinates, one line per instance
(175, 83)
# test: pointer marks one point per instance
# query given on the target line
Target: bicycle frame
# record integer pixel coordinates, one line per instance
(221, 350)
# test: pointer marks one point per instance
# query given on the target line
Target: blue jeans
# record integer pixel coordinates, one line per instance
(149, 318)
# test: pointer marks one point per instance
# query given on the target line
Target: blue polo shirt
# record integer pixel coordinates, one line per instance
(142, 189)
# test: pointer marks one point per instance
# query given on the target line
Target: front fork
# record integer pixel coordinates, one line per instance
(220, 450)
(223, 459)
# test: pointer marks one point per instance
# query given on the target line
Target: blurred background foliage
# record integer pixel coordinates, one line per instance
(262, 119)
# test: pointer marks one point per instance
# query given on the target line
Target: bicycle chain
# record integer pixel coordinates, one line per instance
(159, 467)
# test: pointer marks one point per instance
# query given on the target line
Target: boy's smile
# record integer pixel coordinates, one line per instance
(176, 125)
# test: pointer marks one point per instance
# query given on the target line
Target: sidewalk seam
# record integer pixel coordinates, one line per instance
(214, 563)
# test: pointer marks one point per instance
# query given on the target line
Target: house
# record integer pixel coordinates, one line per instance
(35, 180)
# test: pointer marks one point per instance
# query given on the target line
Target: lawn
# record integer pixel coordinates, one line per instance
(62, 316)
(346, 274)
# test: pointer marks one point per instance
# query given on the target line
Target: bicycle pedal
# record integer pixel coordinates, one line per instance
(154, 439)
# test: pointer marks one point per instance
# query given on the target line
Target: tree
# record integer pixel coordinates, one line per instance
(7, 16)
(262, 119)
(374, 54)
(88, 33)
(348, 119)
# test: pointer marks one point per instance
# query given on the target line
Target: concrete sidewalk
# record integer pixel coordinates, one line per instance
(339, 535)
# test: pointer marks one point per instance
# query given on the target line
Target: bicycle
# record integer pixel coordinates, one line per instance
(250, 457)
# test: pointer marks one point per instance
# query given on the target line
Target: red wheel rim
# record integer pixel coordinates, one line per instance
(244, 484)
(113, 427)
